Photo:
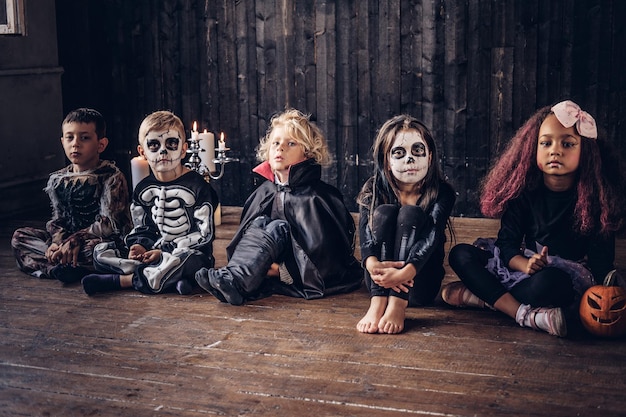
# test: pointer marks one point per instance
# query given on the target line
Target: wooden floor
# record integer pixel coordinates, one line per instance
(63, 353)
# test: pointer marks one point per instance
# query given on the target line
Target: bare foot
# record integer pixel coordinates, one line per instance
(392, 321)
(369, 322)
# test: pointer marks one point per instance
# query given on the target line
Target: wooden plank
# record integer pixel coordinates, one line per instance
(126, 353)
(347, 89)
(452, 156)
(325, 58)
(285, 44)
(366, 124)
(304, 56)
(246, 137)
(525, 62)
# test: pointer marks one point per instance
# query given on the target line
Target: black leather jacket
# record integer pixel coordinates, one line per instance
(322, 231)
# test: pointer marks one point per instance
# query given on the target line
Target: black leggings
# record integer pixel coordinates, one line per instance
(550, 287)
(397, 229)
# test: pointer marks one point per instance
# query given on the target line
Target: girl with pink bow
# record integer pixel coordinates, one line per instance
(558, 190)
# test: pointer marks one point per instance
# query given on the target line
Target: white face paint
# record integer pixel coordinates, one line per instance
(409, 157)
(164, 150)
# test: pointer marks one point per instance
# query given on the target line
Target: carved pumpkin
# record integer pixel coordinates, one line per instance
(603, 309)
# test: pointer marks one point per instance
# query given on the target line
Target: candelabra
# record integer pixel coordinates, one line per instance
(195, 162)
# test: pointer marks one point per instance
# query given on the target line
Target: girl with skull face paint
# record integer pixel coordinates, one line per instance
(404, 211)
(172, 212)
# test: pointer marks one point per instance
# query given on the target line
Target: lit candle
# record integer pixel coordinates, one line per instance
(222, 142)
(194, 132)
(139, 169)
(207, 142)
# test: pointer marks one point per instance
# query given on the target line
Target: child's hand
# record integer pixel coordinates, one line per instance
(391, 274)
(136, 252)
(273, 271)
(399, 280)
(51, 251)
(66, 253)
(537, 262)
(530, 265)
(151, 256)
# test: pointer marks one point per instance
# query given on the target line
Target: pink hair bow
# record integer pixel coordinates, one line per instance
(570, 114)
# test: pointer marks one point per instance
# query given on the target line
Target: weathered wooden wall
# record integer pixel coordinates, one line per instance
(30, 110)
(472, 70)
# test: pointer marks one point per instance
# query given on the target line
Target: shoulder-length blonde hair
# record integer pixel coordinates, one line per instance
(300, 128)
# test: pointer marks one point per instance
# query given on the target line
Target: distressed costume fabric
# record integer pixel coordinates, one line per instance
(176, 217)
(88, 208)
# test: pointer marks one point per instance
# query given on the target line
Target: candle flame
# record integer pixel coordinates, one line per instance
(222, 136)
(206, 131)
(195, 126)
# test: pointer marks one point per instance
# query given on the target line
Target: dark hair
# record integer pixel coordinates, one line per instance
(382, 188)
(86, 115)
(600, 203)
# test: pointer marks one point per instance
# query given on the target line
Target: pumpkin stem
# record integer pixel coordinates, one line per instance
(610, 277)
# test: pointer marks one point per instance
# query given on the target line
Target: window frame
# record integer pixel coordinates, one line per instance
(15, 17)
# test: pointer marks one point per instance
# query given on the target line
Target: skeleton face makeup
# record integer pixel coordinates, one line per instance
(409, 158)
(164, 150)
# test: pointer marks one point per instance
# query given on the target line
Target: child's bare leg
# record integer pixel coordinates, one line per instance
(393, 320)
(126, 281)
(369, 322)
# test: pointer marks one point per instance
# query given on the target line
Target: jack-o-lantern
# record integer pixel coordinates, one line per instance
(603, 309)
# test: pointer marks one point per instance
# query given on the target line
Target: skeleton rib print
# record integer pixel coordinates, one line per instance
(169, 209)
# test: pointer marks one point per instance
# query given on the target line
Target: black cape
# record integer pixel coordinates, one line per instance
(322, 232)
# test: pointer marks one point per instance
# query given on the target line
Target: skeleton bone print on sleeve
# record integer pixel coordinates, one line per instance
(169, 210)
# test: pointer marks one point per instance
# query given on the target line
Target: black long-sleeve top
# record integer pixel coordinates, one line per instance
(547, 217)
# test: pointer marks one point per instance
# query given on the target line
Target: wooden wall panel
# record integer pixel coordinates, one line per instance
(473, 71)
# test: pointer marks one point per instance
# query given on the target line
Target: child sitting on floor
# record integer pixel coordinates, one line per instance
(558, 190)
(404, 212)
(89, 201)
(172, 211)
(296, 236)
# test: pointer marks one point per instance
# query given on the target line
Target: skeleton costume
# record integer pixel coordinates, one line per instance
(176, 217)
(88, 208)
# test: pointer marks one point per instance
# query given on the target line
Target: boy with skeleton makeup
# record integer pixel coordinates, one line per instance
(404, 211)
(89, 201)
(172, 211)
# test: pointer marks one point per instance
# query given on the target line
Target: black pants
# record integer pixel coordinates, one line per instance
(550, 287)
(397, 229)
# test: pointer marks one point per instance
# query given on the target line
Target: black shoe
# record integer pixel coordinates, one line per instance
(222, 281)
(68, 274)
(183, 287)
(202, 278)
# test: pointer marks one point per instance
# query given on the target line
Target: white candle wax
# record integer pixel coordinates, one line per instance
(139, 169)
(194, 131)
(207, 142)
(217, 216)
